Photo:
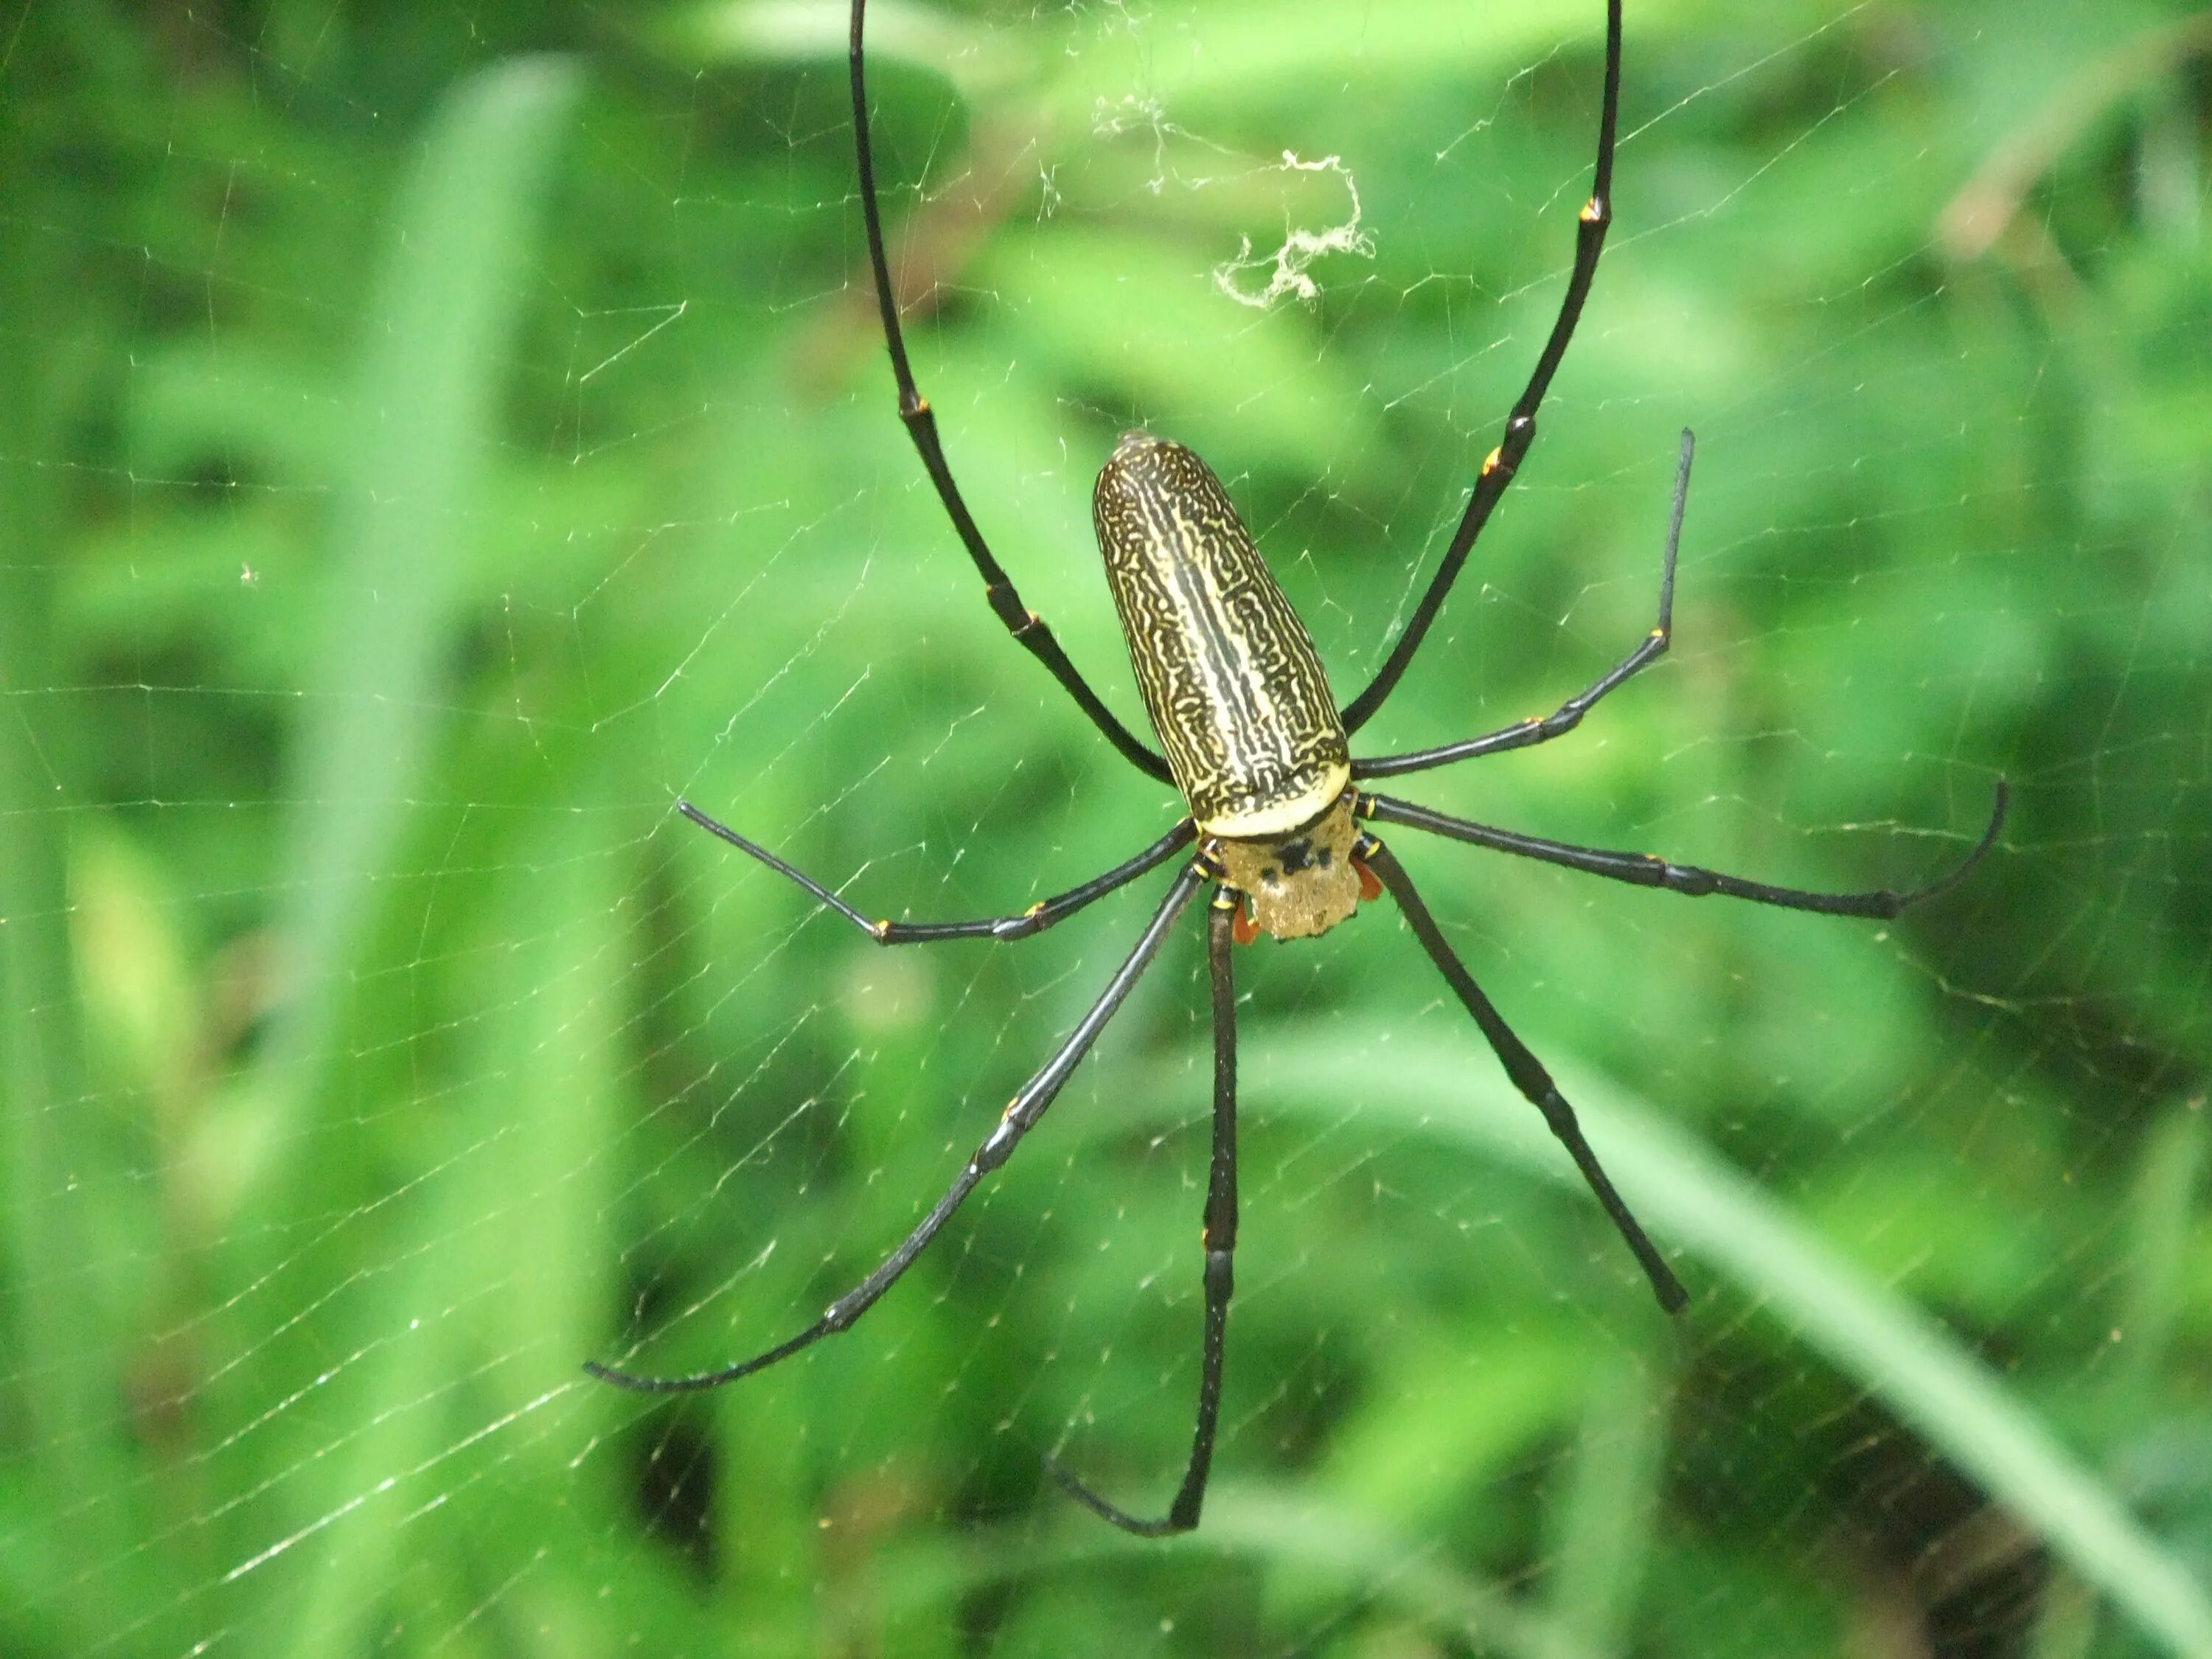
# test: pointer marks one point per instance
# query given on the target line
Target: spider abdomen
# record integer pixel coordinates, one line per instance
(1227, 671)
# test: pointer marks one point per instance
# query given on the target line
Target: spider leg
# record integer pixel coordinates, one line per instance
(1526, 734)
(1497, 470)
(1526, 1071)
(1219, 1236)
(1643, 870)
(1035, 919)
(1025, 624)
(1020, 1116)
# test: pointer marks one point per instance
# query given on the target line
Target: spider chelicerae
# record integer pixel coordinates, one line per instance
(1256, 743)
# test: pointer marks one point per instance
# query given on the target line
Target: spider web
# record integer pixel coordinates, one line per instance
(454, 434)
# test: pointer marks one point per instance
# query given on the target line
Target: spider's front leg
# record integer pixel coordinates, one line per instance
(1219, 1237)
(1020, 1116)
(1647, 870)
(1527, 1072)
(1035, 919)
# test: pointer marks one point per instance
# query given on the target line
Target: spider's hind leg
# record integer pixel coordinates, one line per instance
(1034, 636)
(1526, 734)
(1503, 462)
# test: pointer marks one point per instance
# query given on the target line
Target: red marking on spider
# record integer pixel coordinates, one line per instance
(1243, 929)
(1371, 885)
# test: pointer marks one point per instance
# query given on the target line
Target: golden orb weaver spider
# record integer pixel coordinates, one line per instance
(1259, 749)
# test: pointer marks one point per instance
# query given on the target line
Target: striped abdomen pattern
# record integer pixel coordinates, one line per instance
(1227, 671)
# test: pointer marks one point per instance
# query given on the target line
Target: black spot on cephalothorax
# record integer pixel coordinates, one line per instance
(1299, 854)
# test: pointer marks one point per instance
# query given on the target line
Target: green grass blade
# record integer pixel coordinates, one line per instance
(62, 1339)
(1609, 1502)
(480, 1323)
(2164, 1214)
(1324, 1547)
(60, 1185)
(445, 310)
(1689, 1198)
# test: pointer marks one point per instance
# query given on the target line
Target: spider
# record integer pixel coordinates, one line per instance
(1258, 747)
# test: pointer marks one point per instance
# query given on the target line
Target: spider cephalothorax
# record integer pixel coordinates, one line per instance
(1303, 883)
(1255, 742)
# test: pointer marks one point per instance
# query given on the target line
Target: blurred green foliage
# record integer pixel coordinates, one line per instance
(433, 439)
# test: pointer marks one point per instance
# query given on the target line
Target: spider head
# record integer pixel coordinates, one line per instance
(1301, 882)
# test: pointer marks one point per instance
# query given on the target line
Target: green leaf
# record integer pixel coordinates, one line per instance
(1689, 1198)
(446, 308)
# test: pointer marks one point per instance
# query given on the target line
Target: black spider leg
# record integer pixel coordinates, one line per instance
(1025, 624)
(1643, 870)
(1526, 1071)
(1020, 1116)
(1219, 1237)
(1526, 733)
(1035, 919)
(1498, 468)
